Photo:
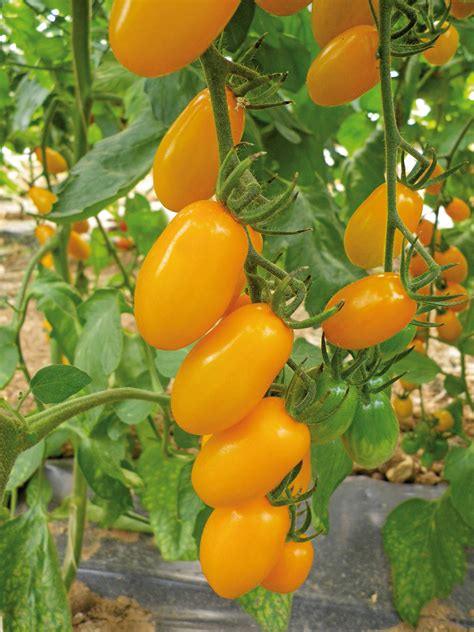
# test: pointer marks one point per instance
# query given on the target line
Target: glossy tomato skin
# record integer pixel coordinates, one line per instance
(345, 68)
(77, 247)
(241, 544)
(445, 420)
(43, 199)
(454, 289)
(250, 458)
(450, 326)
(186, 280)
(425, 232)
(435, 189)
(55, 162)
(403, 407)
(458, 273)
(368, 225)
(292, 569)
(444, 48)
(237, 303)
(375, 309)
(282, 7)
(461, 10)
(43, 232)
(329, 18)
(153, 38)
(372, 437)
(181, 175)
(229, 371)
(458, 210)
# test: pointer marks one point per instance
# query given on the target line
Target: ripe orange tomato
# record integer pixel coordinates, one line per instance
(435, 189)
(368, 225)
(282, 7)
(417, 265)
(182, 176)
(257, 243)
(240, 301)
(228, 372)
(186, 281)
(124, 243)
(345, 68)
(55, 162)
(444, 48)
(458, 273)
(408, 386)
(418, 345)
(445, 420)
(453, 289)
(461, 9)
(47, 261)
(331, 17)
(159, 37)
(302, 482)
(42, 199)
(241, 544)
(250, 458)
(375, 309)
(425, 232)
(81, 226)
(292, 569)
(43, 232)
(403, 407)
(458, 210)
(450, 327)
(77, 247)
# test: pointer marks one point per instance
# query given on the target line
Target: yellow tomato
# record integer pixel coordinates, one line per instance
(156, 37)
(458, 290)
(458, 273)
(403, 407)
(458, 210)
(445, 420)
(55, 162)
(460, 9)
(364, 239)
(182, 176)
(332, 17)
(81, 226)
(78, 247)
(345, 68)
(443, 49)
(43, 199)
(450, 326)
(435, 189)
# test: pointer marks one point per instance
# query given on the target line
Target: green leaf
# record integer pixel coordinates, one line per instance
(330, 465)
(304, 350)
(109, 171)
(420, 368)
(99, 347)
(169, 95)
(425, 542)
(171, 502)
(55, 383)
(9, 357)
(354, 131)
(364, 171)
(144, 225)
(459, 471)
(236, 31)
(133, 411)
(272, 611)
(454, 385)
(168, 362)
(29, 96)
(32, 593)
(26, 464)
(100, 257)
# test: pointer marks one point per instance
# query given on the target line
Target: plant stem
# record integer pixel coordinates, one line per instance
(114, 255)
(76, 525)
(464, 379)
(42, 423)
(390, 128)
(81, 19)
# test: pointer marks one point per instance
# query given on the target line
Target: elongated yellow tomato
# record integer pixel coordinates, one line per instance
(346, 68)
(237, 303)
(42, 199)
(282, 7)
(43, 232)
(331, 17)
(156, 37)
(187, 161)
(461, 10)
(241, 544)
(78, 247)
(252, 457)
(375, 309)
(443, 49)
(292, 569)
(55, 162)
(228, 372)
(187, 279)
(364, 239)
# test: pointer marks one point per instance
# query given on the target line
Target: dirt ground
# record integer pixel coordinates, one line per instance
(401, 468)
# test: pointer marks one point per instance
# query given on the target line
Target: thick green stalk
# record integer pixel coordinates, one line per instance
(77, 523)
(81, 19)
(390, 127)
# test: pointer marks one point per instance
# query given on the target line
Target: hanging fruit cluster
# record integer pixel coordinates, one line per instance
(254, 466)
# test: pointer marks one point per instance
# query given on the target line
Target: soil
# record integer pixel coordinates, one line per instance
(401, 468)
(92, 613)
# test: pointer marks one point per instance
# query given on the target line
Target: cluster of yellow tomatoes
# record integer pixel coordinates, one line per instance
(44, 199)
